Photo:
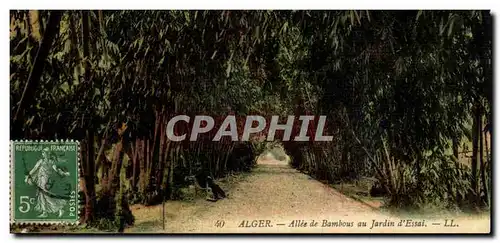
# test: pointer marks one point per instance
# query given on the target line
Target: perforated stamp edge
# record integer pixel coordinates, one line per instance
(11, 186)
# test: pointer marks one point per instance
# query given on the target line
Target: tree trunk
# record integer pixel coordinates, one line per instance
(161, 160)
(166, 168)
(40, 23)
(455, 145)
(476, 131)
(135, 164)
(389, 170)
(36, 72)
(173, 161)
(89, 166)
(343, 161)
(109, 204)
(142, 166)
(482, 168)
(153, 166)
(89, 177)
(486, 146)
(145, 177)
(114, 174)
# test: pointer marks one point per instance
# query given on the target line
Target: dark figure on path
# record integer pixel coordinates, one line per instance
(378, 190)
(217, 192)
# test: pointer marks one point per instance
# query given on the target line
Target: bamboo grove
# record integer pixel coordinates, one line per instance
(402, 91)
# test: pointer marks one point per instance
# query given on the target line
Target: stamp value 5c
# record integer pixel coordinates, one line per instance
(44, 182)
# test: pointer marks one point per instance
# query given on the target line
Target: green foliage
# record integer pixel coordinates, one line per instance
(443, 183)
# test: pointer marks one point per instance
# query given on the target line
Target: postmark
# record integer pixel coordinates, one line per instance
(44, 182)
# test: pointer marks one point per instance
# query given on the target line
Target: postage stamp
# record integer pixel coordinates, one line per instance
(44, 182)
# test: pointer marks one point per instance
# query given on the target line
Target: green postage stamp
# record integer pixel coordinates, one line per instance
(44, 182)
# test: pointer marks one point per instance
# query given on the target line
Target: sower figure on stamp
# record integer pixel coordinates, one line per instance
(42, 176)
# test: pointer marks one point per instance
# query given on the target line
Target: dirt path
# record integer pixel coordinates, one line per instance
(280, 196)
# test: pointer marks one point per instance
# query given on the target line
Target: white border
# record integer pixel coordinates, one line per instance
(252, 4)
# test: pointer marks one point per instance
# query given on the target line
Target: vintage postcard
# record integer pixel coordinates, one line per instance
(251, 121)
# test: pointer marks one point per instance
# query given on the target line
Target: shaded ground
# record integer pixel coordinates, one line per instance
(287, 199)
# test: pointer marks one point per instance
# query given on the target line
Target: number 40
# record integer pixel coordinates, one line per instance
(25, 202)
